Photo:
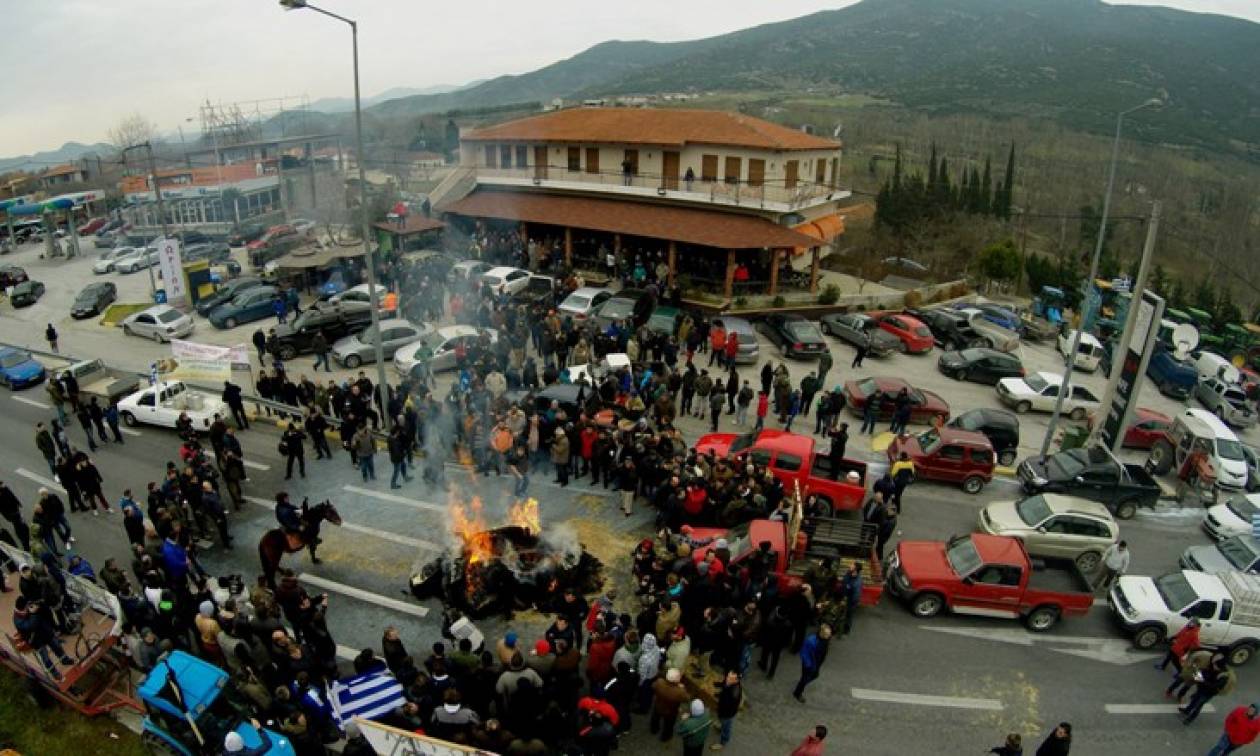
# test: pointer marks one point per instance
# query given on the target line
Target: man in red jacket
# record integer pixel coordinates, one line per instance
(812, 745)
(1185, 641)
(1242, 726)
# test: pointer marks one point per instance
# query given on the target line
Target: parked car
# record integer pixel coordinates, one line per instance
(1089, 353)
(93, 299)
(1197, 430)
(360, 348)
(18, 369)
(1093, 473)
(950, 328)
(796, 460)
(1153, 609)
(948, 455)
(749, 350)
(999, 315)
(630, 305)
(107, 261)
(1145, 428)
(1240, 552)
(360, 293)
(334, 320)
(1054, 525)
(999, 426)
(11, 275)
(438, 348)
(980, 365)
(1227, 401)
(254, 303)
(506, 279)
(138, 259)
(915, 337)
(794, 335)
(1212, 365)
(225, 293)
(858, 329)
(163, 403)
(1232, 517)
(246, 234)
(159, 322)
(1175, 378)
(1040, 391)
(92, 226)
(994, 335)
(662, 319)
(1252, 455)
(539, 290)
(990, 576)
(302, 225)
(584, 302)
(26, 293)
(469, 270)
(925, 406)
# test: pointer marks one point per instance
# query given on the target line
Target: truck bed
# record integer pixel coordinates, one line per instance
(1061, 577)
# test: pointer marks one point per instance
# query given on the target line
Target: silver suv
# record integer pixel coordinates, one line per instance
(1054, 525)
(1226, 400)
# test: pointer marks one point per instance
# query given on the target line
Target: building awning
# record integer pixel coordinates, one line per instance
(707, 228)
(415, 224)
(822, 229)
(303, 259)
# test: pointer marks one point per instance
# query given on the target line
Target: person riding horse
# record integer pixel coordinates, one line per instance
(299, 529)
(288, 514)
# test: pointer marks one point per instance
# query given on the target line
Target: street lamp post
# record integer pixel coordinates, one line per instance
(1070, 358)
(363, 207)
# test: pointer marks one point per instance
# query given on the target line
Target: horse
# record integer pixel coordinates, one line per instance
(275, 543)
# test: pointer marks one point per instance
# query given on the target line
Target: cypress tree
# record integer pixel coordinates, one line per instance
(1008, 184)
(986, 190)
(945, 193)
(932, 175)
(896, 177)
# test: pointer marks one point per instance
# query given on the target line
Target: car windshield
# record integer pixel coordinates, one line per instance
(1228, 448)
(742, 442)
(969, 421)
(1033, 511)
(368, 335)
(13, 359)
(962, 555)
(577, 302)
(1243, 508)
(929, 440)
(617, 308)
(169, 316)
(972, 355)
(1240, 552)
(804, 330)
(738, 539)
(868, 387)
(1066, 465)
(922, 331)
(1175, 590)
(1036, 382)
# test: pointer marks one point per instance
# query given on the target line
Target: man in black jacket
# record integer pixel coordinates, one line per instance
(11, 510)
(232, 398)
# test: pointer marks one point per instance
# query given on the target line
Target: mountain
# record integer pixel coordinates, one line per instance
(346, 104)
(1076, 62)
(64, 154)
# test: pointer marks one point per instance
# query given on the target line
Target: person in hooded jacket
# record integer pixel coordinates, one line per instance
(1058, 742)
(649, 668)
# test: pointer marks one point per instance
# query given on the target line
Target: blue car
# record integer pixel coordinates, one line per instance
(18, 369)
(1000, 315)
(252, 304)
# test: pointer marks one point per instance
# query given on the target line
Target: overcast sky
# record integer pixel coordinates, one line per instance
(74, 68)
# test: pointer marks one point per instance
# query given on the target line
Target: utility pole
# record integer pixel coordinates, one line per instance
(157, 193)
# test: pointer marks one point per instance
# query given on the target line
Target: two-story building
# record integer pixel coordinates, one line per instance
(55, 178)
(214, 198)
(722, 198)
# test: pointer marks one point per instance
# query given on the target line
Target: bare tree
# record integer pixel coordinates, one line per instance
(132, 130)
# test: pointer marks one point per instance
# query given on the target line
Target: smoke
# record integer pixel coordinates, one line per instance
(562, 539)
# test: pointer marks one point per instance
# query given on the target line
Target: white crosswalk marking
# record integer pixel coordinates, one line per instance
(396, 499)
(916, 699)
(402, 540)
(1158, 708)
(362, 595)
(40, 479)
(32, 402)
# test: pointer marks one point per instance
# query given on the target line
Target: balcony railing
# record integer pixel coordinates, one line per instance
(761, 195)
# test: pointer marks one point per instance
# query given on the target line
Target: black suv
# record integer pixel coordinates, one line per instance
(950, 329)
(334, 320)
(999, 426)
(226, 293)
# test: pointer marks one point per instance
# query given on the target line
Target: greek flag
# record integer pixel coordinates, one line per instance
(369, 696)
(1255, 526)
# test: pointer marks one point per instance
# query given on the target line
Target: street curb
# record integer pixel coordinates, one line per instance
(1003, 470)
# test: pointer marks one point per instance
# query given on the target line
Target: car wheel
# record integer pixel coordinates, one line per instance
(229, 323)
(1077, 414)
(1220, 413)
(157, 746)
(353, 361)
(1088, 562)
(157, 337)
(1042, 619)
(129, 419)
(960, 374)
(1149, 636)
(901, 347)
(287, 352)
(1125, 510)
(973, 484)
(1241, 654)
(927, 605)
(1007, 458)
(1161, 458)
(1022, 407)
(127, 331)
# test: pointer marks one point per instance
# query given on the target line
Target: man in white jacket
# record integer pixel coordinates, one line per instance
(1115, 563)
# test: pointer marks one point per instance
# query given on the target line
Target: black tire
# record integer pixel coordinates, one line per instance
(1125, 510)
(353, 361)
(129, 419)
(1241, 653)
(229, 323)
(156, 746)
(960, 374)
(127, 330)
(1088, 562)
(973, 484)
(1148, 636)
(927, 605)
(1022, 408)
(1161, 459)
(1007, 458)
(287, 352)
(1077, 414)
(1042, 618)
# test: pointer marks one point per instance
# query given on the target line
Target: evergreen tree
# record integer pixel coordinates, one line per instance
(1008, 186)
(896, 177)
(932, 174)
(1158, 282)
(986, 190)
(944, 192)
(976, 194)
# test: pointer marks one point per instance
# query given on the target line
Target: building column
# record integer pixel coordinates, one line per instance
(673, 261)
(730, 274)
(616, 253)
(775, 258)
(813, 269)
(568, 247)
(524, 231)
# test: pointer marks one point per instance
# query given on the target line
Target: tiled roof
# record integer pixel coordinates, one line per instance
(200, 176)
(415, 224)
(706, 228)
(61, 170)
(655, 126)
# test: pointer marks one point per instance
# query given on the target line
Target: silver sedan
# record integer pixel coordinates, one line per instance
(360, 348)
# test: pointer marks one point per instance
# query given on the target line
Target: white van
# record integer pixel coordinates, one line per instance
(1227, 606)
(1089, 353)
(1212, 365)
(1199, 430)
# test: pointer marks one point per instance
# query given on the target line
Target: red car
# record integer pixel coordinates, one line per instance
(92, 226)
(915, 337)
(949, 455)
(925, 406)
(273, 233)
(1145, 428)
(792, 458)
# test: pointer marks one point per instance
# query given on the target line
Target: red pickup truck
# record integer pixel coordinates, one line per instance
(990, 576)
(949, 455)
(793, 460)
(841, 541)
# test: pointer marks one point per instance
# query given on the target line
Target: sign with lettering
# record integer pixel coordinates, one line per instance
(172, 268)
(1132, 366)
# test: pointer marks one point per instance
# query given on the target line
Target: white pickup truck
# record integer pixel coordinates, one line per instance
(1227, 605)
(162, 405)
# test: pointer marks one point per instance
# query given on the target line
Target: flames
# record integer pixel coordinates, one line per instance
(469, 525)
(524, 514)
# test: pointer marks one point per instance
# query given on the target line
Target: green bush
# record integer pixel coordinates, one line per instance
(741, 301)
(830, 295)
(778, 301)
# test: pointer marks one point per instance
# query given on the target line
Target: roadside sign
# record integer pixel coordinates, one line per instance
(1132, 367)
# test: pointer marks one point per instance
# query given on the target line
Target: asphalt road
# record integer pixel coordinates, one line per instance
(896, 686)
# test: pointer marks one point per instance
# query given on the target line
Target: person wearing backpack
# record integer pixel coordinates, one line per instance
(742, 400)
(694, 728)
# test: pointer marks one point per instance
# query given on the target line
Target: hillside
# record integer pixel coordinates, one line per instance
(1072, 61)
(63, 154)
